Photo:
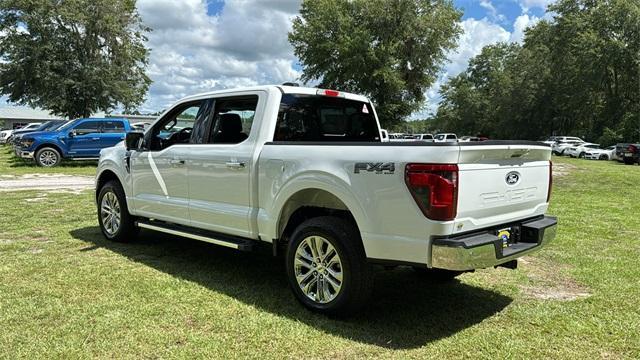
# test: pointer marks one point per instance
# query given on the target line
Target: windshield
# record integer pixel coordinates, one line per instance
(68, 124)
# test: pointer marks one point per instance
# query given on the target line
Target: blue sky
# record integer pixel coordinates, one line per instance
(204, 45)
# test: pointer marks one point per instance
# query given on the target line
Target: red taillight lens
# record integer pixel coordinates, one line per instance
(550, 181)
(632, 149)
(434, 188)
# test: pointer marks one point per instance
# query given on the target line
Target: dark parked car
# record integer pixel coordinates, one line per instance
(628, 153)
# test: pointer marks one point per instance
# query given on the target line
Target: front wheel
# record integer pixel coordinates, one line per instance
(48, 157)
(603, 157)
(326, 266)
(113, 216)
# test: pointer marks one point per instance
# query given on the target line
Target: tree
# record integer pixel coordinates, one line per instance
(73, 57)
(390, 50)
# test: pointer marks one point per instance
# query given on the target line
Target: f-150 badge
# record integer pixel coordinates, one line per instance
(378, 168)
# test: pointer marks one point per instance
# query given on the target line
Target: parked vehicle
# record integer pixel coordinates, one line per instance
(400, 137)
(47, 126)
(628, 153)
(423, 137)
(579, 150)
(80, 139)
(471, 138)
(305, 170)
(601, 154)
(6, 135)
(445, 138)
(560, 147)
(141, 126)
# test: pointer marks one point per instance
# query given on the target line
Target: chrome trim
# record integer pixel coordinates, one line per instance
(189, 235)
(479, 257)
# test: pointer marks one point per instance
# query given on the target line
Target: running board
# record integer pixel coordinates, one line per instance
(233, 242)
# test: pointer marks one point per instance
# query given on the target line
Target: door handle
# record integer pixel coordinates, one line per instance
(95, 138)
(176, 162)
(235, 165)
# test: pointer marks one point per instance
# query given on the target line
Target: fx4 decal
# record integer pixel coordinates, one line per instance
(378, 168)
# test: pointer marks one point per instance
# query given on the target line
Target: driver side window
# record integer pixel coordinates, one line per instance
(176, 127)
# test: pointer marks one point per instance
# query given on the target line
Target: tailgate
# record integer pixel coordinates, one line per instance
(499, 184)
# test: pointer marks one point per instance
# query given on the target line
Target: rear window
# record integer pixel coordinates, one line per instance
(113, 127)
(323, 118)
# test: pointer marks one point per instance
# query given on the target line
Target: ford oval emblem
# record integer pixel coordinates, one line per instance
(512, 178)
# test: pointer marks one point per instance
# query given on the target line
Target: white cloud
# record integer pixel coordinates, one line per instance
(522, 23)
(493, 12)
(529, 4)
(244, 45)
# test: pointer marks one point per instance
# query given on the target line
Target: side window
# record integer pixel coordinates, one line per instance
(451, 137)
(87, 127)
(113, 127)
(232, 119)
(176, 126)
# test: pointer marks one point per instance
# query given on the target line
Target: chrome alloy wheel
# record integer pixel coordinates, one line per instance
(110, 213)
(48, 158)
(318, 269)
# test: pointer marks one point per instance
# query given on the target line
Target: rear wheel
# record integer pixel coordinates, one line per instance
(603, 157)
(327, 267)
(48, 157)
(581, 155)
(113, 216)
(629, 161)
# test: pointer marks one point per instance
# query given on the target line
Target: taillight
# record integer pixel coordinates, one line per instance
(434, 187)
(632, 149)
(550, 181)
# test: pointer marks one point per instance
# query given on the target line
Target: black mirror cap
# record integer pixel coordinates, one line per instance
(134, 139)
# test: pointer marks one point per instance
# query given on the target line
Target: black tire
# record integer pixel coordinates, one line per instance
(48, 157)
(357, 278)
(127, 230)
(437, 275)
(581, 155)
(603, 157)
(629, 161)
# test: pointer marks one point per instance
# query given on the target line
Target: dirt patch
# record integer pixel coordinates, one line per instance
(53, 182)
(548, 281)
(562, 169)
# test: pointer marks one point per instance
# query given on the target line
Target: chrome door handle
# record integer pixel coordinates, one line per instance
(176, 162)
(235, 165)
(96, 138)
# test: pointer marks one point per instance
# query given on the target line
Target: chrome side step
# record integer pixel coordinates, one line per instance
(198, 234)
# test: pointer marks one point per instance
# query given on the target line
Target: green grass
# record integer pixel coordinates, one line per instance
(66, 292)
(12, 165)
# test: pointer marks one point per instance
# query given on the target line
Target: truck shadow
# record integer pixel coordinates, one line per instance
(405, 311)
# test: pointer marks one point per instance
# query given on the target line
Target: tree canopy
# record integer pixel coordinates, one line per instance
(73, 57)
(390, 50)
(577, 74)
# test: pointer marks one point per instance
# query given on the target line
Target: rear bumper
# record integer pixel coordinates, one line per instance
(483, 249)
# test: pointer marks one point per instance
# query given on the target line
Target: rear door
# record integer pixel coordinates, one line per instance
(221, 163)
(501, 183)
(113, 131)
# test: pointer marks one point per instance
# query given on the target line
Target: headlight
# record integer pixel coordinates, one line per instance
(27, 142)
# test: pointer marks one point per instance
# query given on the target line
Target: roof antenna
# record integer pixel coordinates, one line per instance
(291, 84)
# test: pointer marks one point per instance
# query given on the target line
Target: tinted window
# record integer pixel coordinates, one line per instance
(87, 127)
(321, 118)
(232, 119)
(176, 127)
(451, 136)
(113, 126)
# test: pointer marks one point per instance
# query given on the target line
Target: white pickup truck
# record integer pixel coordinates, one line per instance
(305, 170)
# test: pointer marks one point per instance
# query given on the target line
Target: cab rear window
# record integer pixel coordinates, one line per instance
(324, 118)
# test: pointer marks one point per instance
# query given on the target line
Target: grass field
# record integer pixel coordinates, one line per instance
(12, 165)
(66, 292)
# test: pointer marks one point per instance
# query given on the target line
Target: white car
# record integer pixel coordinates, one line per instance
(6, 135)
(304, 171)
(579, 150)
(445, 138)
(560, 147)
(601, 154)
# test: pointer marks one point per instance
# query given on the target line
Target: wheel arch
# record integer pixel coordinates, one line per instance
(49, 145)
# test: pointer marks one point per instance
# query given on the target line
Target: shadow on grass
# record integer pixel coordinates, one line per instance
(405, 311)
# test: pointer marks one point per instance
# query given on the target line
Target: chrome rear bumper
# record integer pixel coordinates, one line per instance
(484, 249)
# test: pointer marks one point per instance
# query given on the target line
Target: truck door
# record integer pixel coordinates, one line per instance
(159, 172)
(221, 166)
(84, 139)
(112, 133)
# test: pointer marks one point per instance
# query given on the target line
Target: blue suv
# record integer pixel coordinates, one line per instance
(80, 139)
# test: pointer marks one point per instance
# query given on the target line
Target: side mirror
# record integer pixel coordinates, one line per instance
(133, 140)
(73, 133)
